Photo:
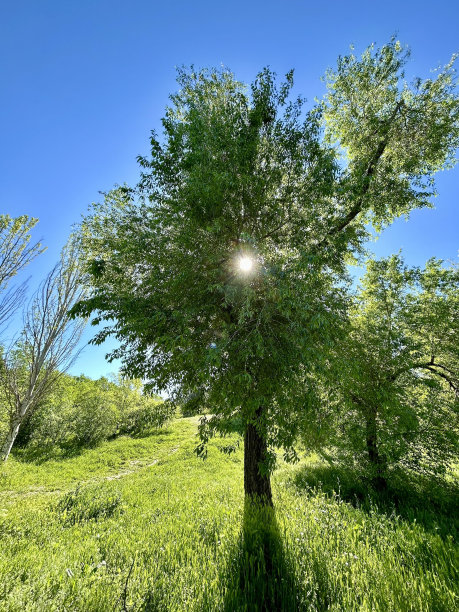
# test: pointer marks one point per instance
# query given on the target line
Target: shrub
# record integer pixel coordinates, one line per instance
(96, 418)
(147, 415)
(82, 412)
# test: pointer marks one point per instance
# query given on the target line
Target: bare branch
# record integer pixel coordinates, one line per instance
(47, 345)
(10, 303)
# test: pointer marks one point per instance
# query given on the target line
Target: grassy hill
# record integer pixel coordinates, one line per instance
(142, 524)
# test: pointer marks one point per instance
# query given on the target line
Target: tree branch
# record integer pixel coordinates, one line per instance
(453, 385)
(430, 365)
(371, 168)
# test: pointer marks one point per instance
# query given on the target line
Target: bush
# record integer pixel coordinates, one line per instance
(82, 412)
(96, 418)
(149, 414)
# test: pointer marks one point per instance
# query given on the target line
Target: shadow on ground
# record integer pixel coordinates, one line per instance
(40, 455)
(67, 450)
(429, 501)
(260, 575)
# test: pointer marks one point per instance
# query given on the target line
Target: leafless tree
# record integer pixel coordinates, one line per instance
(46, 347)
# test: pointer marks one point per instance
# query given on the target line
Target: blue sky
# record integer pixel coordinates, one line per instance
(83, 83)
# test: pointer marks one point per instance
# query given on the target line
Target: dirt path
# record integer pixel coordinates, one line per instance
(135, 464)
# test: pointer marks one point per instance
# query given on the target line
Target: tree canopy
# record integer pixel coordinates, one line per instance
(394, 400)
(248, 173)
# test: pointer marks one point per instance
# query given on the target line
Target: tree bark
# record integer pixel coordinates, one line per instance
(10, 438)
(256, 485)
(377, 461)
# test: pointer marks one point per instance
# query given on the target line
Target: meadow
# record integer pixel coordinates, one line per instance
(142, 524)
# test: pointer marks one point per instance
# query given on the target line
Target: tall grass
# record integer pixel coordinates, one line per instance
(145, 525)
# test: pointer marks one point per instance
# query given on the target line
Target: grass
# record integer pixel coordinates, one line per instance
(142, 524)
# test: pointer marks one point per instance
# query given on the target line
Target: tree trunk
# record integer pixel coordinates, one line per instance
(256, 484)
(10, 438)
(377, 461)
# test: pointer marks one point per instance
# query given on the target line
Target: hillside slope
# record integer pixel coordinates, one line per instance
(142, 524)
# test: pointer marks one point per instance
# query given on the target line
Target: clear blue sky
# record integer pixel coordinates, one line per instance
(83, 83)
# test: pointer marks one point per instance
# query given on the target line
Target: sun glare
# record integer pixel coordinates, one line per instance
(245, 264)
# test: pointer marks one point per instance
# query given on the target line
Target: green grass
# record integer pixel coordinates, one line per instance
(142, 524)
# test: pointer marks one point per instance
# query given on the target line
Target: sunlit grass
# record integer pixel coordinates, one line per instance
(152, 527)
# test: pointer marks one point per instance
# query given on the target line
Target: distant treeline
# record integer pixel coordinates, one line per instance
(82, 412)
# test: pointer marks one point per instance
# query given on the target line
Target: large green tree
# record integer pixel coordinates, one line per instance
(223, 269)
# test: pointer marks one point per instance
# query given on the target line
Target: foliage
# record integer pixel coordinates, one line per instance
(15, 253)
(179, 291)
(179, 543)
(395, 135)
(81, 412)
(147, 416)
(246, 173)
(95, 413)
(395, 398)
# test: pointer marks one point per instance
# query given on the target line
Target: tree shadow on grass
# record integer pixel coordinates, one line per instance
(260, 575)
(67, 450)
(39, 455)
(429, 501)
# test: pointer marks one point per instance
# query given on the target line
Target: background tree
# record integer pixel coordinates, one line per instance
(396, 393)
(46, 347)
(15, 253)
(224, 269)
(80, 412)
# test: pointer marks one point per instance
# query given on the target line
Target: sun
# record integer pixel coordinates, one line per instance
(245, 263)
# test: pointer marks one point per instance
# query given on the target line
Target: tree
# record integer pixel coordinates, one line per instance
(398, 375)
(223, 269)
(46, 347)
(78, 411)
(15, 254)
